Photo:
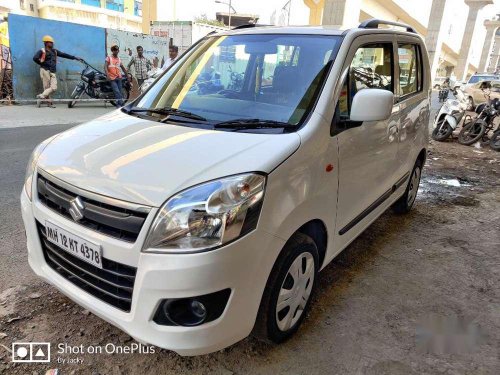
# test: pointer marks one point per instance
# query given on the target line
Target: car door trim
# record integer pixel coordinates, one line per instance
(375, 204)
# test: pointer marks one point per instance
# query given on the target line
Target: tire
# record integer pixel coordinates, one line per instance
(276, 325)
(472, 132)
(470, 104)
(125, 95)
(76, 94)
(442, 130)
(404, 204)
(495, 140)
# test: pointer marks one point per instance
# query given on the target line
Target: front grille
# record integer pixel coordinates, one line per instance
(112, 221)
(113, 284)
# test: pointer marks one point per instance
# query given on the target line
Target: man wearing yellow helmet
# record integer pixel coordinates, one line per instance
(47, 59)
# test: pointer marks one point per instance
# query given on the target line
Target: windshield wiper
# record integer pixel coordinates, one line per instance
(253, 123)
(169, 111)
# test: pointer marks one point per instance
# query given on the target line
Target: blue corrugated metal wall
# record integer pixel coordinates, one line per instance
(26, 38)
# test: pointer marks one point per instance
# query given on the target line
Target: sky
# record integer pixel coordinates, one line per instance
(187, 10)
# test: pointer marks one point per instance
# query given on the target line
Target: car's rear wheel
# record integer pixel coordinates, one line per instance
(288, 291)
(404, 204)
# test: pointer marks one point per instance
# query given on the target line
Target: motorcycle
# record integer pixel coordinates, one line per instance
(478, 129)
(96, 85)
(443, 94)
(236, 80)
(449, 117)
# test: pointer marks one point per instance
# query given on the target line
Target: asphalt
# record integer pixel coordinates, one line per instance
(16, 145)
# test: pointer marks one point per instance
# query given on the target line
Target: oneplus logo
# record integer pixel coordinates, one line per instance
(30, 352)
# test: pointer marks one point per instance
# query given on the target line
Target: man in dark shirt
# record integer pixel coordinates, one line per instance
(47, 59)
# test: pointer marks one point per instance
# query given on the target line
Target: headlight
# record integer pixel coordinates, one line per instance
(207, 215)
(30, 169)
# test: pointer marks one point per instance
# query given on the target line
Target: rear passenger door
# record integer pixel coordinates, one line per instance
(367, 150)
(412, 101)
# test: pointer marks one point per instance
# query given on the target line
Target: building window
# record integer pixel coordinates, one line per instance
(138, 8)
(93, 3)
(32, 7)
(22, 4)
(116, 5)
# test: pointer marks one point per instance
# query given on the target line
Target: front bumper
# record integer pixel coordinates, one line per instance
(243, 266)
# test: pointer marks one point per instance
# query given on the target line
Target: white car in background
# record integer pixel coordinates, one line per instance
(194, 216)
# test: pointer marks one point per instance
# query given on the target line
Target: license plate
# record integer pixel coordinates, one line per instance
(73, 244)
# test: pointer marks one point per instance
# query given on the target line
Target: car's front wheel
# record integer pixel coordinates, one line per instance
(287, 295)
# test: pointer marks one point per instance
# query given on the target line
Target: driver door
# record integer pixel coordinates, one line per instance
(367, 150)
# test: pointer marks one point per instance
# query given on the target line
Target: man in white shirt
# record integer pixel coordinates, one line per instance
(173, 51)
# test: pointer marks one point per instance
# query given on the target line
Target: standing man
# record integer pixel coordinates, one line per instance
(112, 67)
(141, 66)
(47, 59)
(173, 51)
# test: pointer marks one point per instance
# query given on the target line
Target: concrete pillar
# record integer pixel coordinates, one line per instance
(495, 56)
(342, 13)
(435, 35)
(315, 11)
(491, 28)
(463, 56)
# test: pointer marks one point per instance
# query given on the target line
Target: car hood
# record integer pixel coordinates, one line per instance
(146, 162)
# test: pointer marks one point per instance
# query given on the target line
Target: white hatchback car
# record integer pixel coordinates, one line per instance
(205, 209)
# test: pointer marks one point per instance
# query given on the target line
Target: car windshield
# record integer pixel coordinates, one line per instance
(476, 79)
(229, 79)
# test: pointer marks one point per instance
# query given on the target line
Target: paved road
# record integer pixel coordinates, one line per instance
(29, 115)
(16, 145)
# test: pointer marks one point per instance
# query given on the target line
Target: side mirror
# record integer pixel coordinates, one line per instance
(372, 105)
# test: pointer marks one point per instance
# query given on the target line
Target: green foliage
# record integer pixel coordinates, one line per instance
(204, 19)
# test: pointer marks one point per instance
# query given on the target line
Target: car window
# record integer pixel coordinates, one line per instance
(409, 69)
(270, 77)
(372, 67)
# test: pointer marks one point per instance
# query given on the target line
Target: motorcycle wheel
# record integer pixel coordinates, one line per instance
(470, 104)
(472, 132)
(495, 140)
(125, 95)
(442, 131)
(76, 94)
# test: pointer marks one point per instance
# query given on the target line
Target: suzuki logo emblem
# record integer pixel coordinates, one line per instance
(76, 209)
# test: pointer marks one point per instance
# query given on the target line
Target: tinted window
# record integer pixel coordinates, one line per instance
(409, 69)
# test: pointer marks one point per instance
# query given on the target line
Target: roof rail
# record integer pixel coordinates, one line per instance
(249, 25)
(374, 24)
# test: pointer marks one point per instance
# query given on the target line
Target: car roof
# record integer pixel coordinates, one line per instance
(310, 30)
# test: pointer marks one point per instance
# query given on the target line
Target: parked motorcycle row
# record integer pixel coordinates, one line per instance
(477, 126)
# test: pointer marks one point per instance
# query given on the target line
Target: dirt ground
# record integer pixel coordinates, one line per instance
(415, 294)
